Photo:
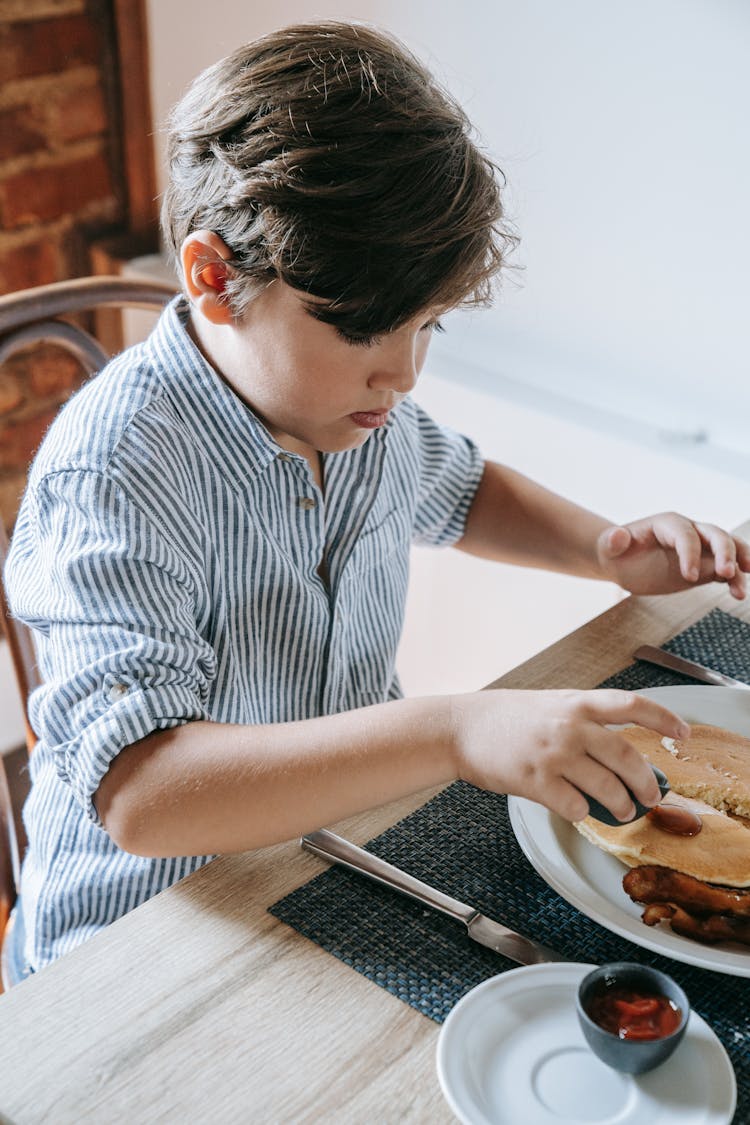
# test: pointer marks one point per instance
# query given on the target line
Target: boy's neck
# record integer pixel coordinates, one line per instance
(209, 342)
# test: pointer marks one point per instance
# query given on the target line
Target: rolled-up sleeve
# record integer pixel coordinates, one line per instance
(114, 604)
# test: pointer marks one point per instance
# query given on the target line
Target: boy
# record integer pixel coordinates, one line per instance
(214, 541)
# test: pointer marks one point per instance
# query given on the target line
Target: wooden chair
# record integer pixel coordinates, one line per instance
(29, 317)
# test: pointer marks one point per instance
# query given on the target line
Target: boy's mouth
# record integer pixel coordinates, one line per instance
(370, 419)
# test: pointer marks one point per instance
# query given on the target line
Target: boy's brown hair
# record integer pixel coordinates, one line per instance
(326, 155)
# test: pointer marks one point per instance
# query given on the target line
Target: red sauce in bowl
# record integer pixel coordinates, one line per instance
(631, 1014)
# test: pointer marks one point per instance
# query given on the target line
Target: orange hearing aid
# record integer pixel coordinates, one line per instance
(214, 277)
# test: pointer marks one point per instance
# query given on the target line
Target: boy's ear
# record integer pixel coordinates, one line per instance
(205, 261)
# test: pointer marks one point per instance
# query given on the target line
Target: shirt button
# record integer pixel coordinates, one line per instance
(117, 691)
(306, 503)
(283, 457)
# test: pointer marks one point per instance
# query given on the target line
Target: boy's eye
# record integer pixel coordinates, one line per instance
(364, 341)
(355, 339)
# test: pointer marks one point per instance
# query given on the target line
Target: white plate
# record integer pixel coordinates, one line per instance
(591, 880)
(511, 1052)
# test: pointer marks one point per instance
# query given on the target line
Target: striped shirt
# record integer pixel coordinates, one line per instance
(167, 554)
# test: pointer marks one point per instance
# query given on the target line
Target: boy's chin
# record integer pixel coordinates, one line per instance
(354, 441)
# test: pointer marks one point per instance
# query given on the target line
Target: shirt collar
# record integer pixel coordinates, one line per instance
(238, 440)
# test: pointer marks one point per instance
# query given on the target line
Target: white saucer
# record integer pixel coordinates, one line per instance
(511, 1051)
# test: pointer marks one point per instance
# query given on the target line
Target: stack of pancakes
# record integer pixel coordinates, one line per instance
(684, 879)
(710, 774)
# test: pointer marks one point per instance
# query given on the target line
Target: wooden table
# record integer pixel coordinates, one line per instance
(201, 1007)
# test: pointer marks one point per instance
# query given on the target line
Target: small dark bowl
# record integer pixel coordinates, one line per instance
(633, 1056)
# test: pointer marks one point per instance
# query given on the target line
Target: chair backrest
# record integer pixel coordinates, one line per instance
(29, 317)
(14, 776)
(9, 858)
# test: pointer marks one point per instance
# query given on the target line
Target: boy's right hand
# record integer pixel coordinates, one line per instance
(554, 746)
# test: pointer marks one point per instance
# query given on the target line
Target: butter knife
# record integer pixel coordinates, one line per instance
(687, 667)
(482, 929)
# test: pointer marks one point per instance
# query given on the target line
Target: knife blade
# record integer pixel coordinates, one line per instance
(484, 930)
(662, 659)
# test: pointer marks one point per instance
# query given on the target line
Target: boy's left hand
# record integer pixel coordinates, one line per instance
(668, 552)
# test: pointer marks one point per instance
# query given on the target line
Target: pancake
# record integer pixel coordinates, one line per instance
(720, 853)
(713, 765)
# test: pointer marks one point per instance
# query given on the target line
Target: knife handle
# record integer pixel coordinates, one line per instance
(337, 850)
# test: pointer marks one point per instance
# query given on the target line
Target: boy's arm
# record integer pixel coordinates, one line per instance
(513, 519)
(203, 788)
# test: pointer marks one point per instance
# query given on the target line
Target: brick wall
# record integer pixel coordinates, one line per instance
(61, 188)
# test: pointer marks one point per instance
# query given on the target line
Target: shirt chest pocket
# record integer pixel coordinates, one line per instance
(384, 541)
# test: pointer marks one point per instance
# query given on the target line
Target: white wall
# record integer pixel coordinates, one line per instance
(622, 128)
(185, 36)
(468, 620)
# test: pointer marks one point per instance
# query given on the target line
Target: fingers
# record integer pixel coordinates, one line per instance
(617, 767)
(683, 536)
(738, 585)
(611, 705)
(705, 552)
(722, 547)
(584, 755)
(556, 746)
(742, 550)
(675, 533)
(566, 800)
(602, 784)
(615, 541)
(728, 559)
(611, 765)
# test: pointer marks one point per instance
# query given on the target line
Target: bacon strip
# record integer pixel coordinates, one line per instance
(711, 929)
(650, 883)
(695, 909)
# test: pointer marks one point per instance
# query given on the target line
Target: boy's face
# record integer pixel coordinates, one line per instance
(314, 389)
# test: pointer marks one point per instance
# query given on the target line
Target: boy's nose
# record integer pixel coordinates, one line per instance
(396, 367)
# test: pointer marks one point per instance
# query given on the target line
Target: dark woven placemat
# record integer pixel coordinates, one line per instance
(462, 842)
